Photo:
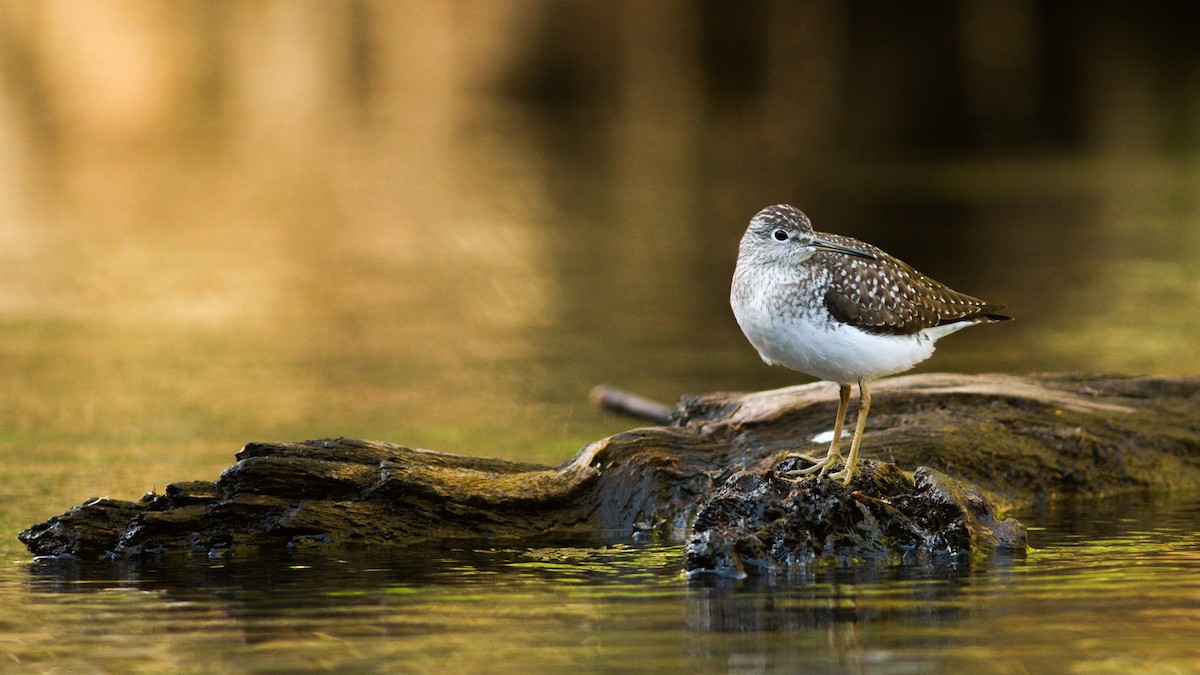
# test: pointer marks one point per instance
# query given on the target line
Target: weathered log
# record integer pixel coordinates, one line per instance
(759, 524)
(1015, 439)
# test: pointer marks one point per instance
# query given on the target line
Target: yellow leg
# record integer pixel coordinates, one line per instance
(864, 405)
(834, 454)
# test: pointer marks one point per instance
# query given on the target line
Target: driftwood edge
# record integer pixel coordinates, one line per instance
(708, 474)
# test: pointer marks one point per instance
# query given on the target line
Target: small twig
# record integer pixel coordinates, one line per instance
(615, 400)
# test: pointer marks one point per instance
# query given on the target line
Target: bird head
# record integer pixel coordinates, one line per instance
(783, 234)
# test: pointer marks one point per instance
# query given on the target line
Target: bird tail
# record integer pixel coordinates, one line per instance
(990, 313)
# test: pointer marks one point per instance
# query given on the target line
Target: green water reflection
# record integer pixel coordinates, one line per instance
(1119, 593)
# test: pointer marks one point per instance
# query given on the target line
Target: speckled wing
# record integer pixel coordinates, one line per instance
(887, 296)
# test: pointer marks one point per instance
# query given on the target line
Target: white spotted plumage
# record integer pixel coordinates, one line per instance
(841, 310)
(839, 316)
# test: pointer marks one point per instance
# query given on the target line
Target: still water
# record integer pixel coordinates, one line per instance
(440, 224)
(1119, 595)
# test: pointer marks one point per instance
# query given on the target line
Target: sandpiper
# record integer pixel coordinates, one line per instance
(842, 310)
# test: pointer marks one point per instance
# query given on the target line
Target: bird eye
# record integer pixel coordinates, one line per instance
(780, 235)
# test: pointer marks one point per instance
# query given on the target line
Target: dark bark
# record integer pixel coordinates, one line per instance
(1011, 439)
(759, 524)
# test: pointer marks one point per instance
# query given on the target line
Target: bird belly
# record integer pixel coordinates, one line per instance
(836, 351)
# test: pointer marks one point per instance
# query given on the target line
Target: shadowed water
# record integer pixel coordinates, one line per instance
(1120, 594)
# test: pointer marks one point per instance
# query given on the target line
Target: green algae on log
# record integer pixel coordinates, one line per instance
(1010, 439)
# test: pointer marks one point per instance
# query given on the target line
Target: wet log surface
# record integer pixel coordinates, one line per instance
(709, 475)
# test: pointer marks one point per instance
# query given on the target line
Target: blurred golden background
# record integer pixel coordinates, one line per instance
(440, 223)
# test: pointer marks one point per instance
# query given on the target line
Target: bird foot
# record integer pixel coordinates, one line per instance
(820, 465)
(845, 474)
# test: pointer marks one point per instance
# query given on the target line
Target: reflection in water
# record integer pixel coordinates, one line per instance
(1120, 596)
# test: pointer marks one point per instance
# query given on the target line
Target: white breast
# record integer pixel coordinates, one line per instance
(805, 338)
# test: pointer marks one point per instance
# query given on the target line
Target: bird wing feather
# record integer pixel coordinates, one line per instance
(887, 296)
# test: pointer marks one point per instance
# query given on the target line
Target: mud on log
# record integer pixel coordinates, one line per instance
(1006, 440)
